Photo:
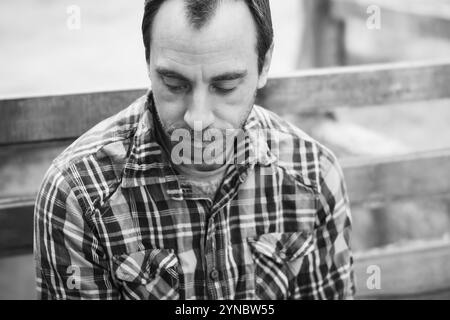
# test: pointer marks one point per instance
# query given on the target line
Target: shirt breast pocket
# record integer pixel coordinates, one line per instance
(148, 274)
(277, 260)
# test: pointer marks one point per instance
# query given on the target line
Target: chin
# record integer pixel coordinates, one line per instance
(207, 167)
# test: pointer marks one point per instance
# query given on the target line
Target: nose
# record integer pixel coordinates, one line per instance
(199, 112)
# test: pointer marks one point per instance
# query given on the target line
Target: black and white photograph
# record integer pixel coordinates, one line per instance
(225, 150)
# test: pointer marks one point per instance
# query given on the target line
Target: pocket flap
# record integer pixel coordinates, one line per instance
(142, 265)
(283, 247)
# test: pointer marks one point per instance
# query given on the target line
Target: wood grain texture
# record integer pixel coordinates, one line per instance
(23, 166)
(317, 91)
(416, 175)
(59, 117)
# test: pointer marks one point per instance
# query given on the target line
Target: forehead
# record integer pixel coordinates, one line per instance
(230, 33)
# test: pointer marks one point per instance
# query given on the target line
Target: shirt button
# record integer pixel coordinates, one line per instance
(214, 275)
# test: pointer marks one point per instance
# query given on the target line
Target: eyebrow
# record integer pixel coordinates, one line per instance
(171, 74)
(235, 75)
(230, 76)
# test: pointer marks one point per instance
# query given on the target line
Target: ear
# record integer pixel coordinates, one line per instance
(262, 80)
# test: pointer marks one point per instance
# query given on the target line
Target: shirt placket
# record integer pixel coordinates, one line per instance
(215, 272)
(211, 267)
(212, 270)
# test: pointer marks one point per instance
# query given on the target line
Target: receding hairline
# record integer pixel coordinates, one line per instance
(199, 13)
(259, 9)
(182, 13)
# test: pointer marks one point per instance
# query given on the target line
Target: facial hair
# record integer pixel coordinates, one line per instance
(168, 131)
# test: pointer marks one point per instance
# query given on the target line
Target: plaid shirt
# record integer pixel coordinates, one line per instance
(114, 221)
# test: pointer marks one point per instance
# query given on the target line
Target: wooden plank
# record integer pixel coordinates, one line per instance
(59, 117)
(22, 167)
(417, 175)
(414, 271)
(425, 18)
(320, 90)
(16, 230)
(315, 91)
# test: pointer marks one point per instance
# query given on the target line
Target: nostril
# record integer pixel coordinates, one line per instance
(199, 120)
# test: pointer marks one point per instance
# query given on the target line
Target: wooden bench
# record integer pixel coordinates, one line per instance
(34, 130)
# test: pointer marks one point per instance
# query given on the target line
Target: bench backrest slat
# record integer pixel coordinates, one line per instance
(417, 175)
(418, 272)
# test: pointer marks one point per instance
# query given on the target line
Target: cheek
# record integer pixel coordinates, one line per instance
(160, 91)
(235, 110)
(170, 110)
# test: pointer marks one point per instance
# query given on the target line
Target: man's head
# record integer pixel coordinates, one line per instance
(206, 60)
(200, 11)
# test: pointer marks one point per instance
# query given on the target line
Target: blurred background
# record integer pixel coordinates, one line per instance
(44, 53)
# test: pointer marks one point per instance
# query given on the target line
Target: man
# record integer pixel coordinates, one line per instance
(142, 207)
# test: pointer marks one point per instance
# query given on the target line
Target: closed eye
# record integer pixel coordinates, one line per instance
(175, 84)
(226, 86)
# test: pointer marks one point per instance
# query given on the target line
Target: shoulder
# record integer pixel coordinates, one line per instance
(298, 153)
(91, 167)
(116, 128)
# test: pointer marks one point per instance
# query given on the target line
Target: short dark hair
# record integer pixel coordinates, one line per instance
(199, 12)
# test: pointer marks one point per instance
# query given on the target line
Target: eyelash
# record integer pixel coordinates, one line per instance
(224, 91)
(176, 89)
(179, 89)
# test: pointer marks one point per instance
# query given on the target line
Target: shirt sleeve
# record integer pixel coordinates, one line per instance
(326, 273)
(70, 262)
